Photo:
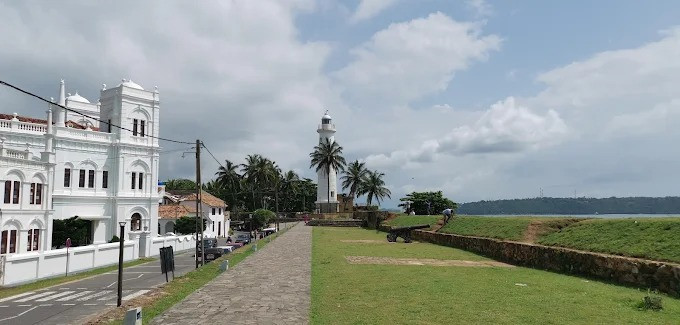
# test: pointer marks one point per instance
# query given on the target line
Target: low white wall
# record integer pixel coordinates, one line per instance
(178, 243)
(28, 267)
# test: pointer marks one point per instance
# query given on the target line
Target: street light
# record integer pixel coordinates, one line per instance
(120, 263)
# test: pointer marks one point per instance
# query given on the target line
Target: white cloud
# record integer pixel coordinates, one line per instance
(480, 7)
(368, 9)
(409, 60)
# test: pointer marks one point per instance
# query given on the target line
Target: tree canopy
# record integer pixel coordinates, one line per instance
(424, 203)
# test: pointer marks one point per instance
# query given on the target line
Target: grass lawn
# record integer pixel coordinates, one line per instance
(11, 291)
(657, 239)
(344, 293)
(406, 220)
(511, 228)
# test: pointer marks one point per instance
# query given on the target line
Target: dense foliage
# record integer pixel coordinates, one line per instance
(186, 225)
(75, 228)
(181, 184)
(262, 217)
(612, 205)
(426, 203)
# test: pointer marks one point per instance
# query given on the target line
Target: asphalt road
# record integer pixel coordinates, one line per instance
(68, 303)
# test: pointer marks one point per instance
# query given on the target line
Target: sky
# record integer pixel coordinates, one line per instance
(480, 99)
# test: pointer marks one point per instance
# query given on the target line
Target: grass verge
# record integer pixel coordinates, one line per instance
(11, 291)
(178, 289)
(344, 293)
(656, 239)
(510, 228)
(406, 220)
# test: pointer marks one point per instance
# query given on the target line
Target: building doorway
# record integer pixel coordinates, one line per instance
(136, 222)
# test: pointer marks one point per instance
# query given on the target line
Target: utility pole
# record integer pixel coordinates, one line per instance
(198, 203)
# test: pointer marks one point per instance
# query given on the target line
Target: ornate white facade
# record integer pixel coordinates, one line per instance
(69, 165)
(326, 130)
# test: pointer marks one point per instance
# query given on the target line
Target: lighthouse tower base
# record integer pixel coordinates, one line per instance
(325, 207)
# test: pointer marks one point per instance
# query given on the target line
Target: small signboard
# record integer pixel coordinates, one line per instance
(167, 261)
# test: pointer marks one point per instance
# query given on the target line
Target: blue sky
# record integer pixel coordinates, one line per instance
(568, 96)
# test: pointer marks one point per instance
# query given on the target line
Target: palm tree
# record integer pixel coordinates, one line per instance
(355, 175)
(327, 156)
(374, 187)
(229, 178)
(290, 186)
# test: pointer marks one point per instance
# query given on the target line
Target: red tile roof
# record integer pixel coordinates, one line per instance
(175, 211)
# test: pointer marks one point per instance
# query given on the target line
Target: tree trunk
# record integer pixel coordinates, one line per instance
(328, 190)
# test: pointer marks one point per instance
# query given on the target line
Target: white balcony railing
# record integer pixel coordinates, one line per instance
(23, 127)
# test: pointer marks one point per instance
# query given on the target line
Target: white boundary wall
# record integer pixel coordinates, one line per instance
(28, 267)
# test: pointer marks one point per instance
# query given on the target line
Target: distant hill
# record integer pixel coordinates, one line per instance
(549, 205)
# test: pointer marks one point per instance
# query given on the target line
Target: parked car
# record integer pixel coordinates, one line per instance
(242, 238)
(212, 252)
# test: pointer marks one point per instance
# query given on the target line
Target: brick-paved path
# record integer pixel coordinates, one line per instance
(271, 286)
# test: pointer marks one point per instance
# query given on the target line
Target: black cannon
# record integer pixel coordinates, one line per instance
(403, 232)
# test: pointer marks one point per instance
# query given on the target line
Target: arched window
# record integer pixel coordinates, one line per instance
(136, 222)
(33, 244)
(9, 240)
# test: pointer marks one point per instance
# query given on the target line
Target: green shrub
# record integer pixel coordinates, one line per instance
(261, 217)
(650, 302)
(114, 239)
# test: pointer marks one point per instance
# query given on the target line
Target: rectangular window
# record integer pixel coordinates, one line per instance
(67, 177)
(32, 198)
(33, 239)
(141, 127)
(105, 179)
(17, 190)
(12, 241)
(134, 180)
(134, 127)
(220, 213)
(8, 191)
(213, 227)
(3, 245)
(213, 211)
(141, 181)
(90, 179)
(81, 180)
(38, 193)
(109, 125)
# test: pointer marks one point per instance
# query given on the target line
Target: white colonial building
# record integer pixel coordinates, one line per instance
(72, 165)
(326, 187)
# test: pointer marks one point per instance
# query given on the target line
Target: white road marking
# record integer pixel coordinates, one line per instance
(20, 314)
(94, 295)
(3, 306)
(17, 296)
(135, 295)
(79, 294)
(68, 304)
(82, 288)
(37, 295)
(89, 304)
(64, 288)
(45, 305)
(23, 305)
(61, 294)
(115, 282)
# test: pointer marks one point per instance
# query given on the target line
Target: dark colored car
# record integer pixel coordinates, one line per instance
(242, 238)
(211, 250)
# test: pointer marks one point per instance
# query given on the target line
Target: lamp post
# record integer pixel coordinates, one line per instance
(250, 233)
(120, 263)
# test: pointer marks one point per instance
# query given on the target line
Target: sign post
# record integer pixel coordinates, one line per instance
(167, 261)
(68, 245)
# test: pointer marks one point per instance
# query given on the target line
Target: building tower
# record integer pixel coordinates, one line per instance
(326, 130)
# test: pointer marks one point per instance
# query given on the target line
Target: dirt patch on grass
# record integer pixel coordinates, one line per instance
(539, 228)
(421, 262)
(363, 241)
(534, 229)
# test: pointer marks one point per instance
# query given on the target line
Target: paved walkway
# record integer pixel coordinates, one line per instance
(271, 286)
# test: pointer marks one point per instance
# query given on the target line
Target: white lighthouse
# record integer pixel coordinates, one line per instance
(326, 130)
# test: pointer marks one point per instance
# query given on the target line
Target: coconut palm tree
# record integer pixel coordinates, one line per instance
(290, 187)
(230, 179)
(355, 175)
(327, 156)
(374, 187)
(251, 174)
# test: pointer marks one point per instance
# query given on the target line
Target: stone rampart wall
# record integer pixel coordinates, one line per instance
(661, 276)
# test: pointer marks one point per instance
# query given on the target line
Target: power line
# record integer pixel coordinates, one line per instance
(85, 115)
(211, 154)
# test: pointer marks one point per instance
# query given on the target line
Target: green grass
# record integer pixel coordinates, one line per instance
(406, 220)
(510, 228)
(183, 286)
(657, 239)
(343, 293)
(11, 291)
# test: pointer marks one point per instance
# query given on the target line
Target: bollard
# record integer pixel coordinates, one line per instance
(254, 247)
(224, 266)
(133, 317)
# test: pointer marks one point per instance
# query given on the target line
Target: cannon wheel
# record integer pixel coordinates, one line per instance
(391, 237)
(407, 237)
